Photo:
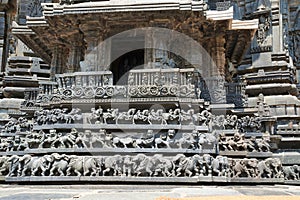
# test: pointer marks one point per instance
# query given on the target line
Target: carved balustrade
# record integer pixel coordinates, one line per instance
(289, 129)
(85, 84)
(236, 94)
(173, 82)
(219, 5)
(162, 82)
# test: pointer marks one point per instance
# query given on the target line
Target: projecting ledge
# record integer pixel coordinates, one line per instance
(220, 15)
(244, 24)
(21, 30)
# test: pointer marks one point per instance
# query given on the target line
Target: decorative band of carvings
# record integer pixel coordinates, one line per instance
(147, 117)
(119, 92)
(141, 165)
(163, 100)
(167, 139)
(260, 49)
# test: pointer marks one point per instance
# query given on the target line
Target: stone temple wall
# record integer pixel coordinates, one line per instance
(164, 123)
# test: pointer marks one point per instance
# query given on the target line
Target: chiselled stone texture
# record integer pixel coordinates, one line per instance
(80, 105)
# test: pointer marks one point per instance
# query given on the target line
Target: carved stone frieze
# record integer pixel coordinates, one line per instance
(224, 116)
(139, 165)
(142, 165)
(253, 168)
(17, 125)
(291, 172)
(238, 142)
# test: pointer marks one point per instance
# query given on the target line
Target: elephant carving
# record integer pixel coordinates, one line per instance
(220, 166)
(34, 165)
(113, 164)
(291, 172)
(59, 164)
(158, 165)
(83, 166)
(4, 165)
(188, 166)
(13, 165)
(269, 168)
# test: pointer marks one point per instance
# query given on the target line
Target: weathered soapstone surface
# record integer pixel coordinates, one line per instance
(73, 110)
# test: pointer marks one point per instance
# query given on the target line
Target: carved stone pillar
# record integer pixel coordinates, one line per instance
(75, 54)
(149, 53)
(161, 42)
(93, 36)
(218, 55)
(2, 41)
(7, 12)
(58, 62)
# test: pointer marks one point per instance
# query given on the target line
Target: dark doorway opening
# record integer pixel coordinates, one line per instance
(126, 62)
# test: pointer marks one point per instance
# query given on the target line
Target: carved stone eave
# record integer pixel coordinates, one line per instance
(60, 23)
(121, 6)
(272, 88)
(239, 34)
(219, 15)
(245, 30)
(29, 37)
(245, 25)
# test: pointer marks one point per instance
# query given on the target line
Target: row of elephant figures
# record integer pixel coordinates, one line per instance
(139, 165)
(142, 165)
(146, 116)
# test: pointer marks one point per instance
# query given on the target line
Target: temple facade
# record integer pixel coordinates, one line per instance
(150, 91)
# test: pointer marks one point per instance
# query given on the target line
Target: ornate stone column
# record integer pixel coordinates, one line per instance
(93, 35)
(216, 50)
(75, 53)
(149, 53)
(58, 62)
(7, 12)
(161, 42)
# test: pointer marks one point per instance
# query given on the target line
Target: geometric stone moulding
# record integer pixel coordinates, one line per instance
(89, 97)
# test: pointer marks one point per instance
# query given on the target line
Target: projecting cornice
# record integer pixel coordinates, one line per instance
(61, 23)
(122, 6)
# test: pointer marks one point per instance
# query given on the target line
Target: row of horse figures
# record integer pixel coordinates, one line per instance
(176, 116)
(17, 125)
(103, 139)
(159, 116)
(139, 165)
(152, 116)
(57, 115)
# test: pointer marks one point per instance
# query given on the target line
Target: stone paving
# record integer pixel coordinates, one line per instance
(148, 192)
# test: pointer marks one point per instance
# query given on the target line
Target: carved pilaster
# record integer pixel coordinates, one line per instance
(149, 53)
(295, 39)
(58, 61)
(93, 36)
(161, 42)
(218, 55)
(75, 54)
(7, 12)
